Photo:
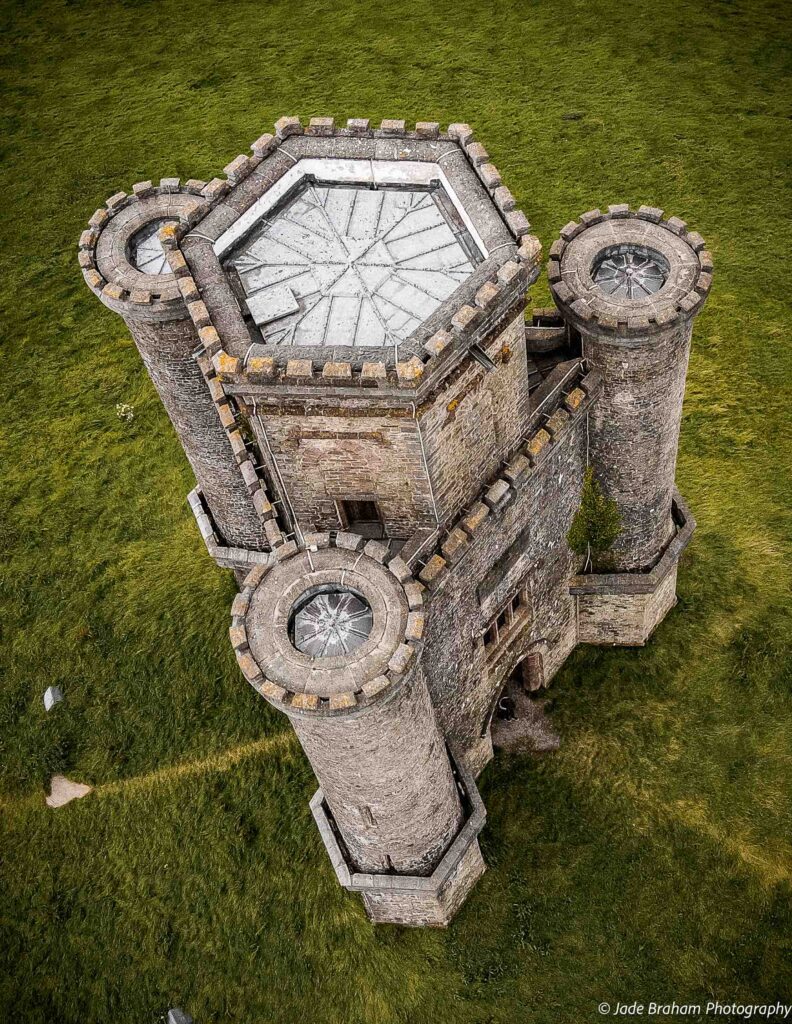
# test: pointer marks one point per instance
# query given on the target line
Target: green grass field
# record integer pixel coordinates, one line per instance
(650, 859)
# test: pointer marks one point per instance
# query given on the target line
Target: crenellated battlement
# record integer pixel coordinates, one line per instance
(390, 459)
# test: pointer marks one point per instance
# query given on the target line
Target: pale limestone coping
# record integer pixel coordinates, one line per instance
(300, 684)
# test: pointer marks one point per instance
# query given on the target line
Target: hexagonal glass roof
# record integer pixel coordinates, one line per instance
(348, 264)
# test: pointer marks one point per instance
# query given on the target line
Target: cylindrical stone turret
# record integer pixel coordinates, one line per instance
(631, 284)
(331, 635)
(386, 777)
(125, 265)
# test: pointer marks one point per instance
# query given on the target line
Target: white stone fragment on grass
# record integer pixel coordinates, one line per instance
(177, 1016)
(63, 791)
(52, 695)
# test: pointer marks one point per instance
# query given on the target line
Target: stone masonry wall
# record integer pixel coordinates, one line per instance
(521, 546)
(387, 779)
(399, 906)
(624, 618)
(166, 348)
(327, 454)
(324, 459)
(634, 433)
(477, 417)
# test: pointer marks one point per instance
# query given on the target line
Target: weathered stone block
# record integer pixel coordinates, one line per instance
(299, 368)
(557, 421)
(465, 318)
(486, 295)
(305, 701)
(401, 659)
(517, 468)
(537, 443)
(392, 127)
(337, 371)
(349, 541)
(504, 200)
(475, 518)
(416, 622)
(377, 550)
(490, 175)
(286, 126)
(432, 570)
(455, 545)
(497, 494)
(410, 373)
(338, 701)
(320, 126)
(574, 398)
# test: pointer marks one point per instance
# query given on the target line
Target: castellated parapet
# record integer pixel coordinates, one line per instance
(389, 456)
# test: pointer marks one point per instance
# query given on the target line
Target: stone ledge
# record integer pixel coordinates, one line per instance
(429, 887)
(241, 559)
(628, 583)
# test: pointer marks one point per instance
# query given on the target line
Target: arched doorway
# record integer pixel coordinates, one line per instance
(518, 718)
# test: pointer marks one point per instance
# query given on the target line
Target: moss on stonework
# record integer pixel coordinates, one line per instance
(596, 525)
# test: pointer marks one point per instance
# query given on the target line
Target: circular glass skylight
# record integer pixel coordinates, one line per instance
(145, 249)
(630, 271)
(331, 621)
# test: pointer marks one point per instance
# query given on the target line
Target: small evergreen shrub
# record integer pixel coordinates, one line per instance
(596, 525)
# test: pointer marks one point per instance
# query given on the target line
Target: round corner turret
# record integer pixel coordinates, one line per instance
(630, 284)
(349, 677)
(626, 275)
(121, 256)
(126, 265)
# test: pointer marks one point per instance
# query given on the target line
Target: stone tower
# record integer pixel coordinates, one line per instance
(124, 264)
(631, 284)
(389, 457)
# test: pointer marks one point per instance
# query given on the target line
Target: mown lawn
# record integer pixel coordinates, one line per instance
(649, 859)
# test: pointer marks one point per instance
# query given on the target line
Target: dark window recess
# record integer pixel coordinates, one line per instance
(514, 612)
(363, 518)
